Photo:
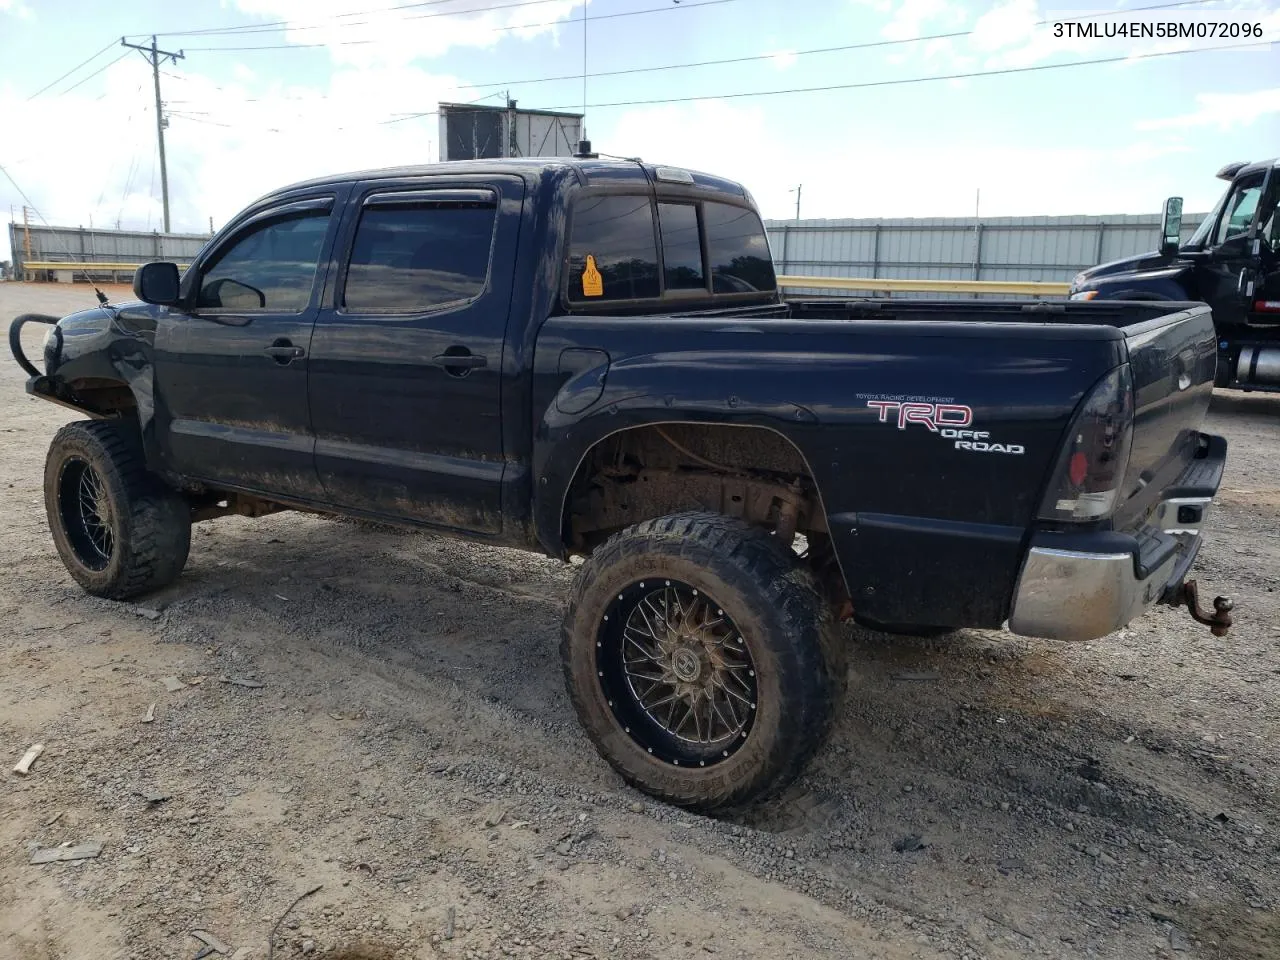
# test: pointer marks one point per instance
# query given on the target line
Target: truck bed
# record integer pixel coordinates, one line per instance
(907, 508)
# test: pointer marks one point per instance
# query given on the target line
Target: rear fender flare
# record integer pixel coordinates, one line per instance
(566, 445)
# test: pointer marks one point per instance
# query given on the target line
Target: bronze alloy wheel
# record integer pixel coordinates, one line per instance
(678, 673)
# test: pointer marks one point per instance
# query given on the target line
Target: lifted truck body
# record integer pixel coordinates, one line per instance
(935, 534)
(620, 355)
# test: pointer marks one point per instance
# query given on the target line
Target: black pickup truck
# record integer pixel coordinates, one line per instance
(591, 357)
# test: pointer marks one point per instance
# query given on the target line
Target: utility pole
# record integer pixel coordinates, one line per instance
(154, 57)
(513, 148)
(797, 193)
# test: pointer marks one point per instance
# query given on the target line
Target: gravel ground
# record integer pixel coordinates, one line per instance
(411, 752)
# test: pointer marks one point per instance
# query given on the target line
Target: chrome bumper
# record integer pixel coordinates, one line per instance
(1078, 595)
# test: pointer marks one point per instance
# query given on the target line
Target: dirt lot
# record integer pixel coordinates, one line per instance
(411, 752)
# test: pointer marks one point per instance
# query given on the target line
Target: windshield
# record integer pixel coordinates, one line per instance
(1201, 236)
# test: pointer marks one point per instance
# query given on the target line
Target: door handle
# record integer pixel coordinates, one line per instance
(459, 363)
(282, 351)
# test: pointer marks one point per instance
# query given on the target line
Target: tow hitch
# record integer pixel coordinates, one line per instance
(1219, 622)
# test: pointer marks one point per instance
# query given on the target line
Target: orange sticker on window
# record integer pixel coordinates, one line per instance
(592, 282)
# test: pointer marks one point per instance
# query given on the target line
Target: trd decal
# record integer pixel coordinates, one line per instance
(931, 415)
(944, 419)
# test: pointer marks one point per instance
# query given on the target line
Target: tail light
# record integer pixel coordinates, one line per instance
(1087, 479)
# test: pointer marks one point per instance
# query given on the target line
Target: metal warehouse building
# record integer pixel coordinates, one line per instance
(1007, 249)
(935, 248)
(116, 252)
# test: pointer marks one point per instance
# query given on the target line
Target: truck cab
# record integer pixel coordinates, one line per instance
(1231, 262)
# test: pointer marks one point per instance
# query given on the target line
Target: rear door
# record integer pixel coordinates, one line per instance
(406, 360)
(231, 367)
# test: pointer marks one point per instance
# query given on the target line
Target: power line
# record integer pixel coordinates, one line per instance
(82, 63)
(154, 55)
(843, 48)
(515, 26)
(277, 25)
(912, 80)
(902, 81)
(102, 297)
(86, 79)
(204, 117)
(273, 26)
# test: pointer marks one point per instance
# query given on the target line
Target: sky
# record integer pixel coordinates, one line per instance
(909, 109)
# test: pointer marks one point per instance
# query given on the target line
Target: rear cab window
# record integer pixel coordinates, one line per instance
(625, 248)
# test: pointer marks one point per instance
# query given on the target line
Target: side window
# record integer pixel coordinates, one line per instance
(413, 257)
(681, 247)
(1239, 212)
(272, 267)
(617, 233)
(1270, 217)
(737, 249)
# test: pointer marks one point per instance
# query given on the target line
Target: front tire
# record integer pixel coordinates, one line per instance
(702, 659)
(119, 531)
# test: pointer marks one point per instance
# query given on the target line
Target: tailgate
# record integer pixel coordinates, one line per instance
(1173, 359)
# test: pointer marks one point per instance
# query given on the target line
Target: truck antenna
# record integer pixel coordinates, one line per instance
(584, 145)
(102, 297)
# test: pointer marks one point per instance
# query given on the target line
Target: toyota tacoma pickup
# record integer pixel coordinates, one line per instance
(592, 358)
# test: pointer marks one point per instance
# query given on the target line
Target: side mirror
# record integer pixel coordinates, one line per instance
(231, 294)
(1171, 227)
(157, 283)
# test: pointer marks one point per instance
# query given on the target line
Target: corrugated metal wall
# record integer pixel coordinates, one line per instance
(956, 248)
(82, 245)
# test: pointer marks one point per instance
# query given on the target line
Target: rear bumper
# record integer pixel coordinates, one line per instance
(1081, 587)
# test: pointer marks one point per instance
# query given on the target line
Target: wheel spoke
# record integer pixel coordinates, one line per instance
(733, 674)
(685, 670)
(729, 727)
(646, 651)
(651, 678)
(86, 513)
(732, 693)
(697, 727)
(676, 715)
(661, 617)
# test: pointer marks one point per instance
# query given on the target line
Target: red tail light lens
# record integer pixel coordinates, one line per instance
(1087, 479)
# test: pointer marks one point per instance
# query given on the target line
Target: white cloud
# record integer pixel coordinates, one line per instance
(1010, 35)
(911, 16)
(1021, 33)
(744, 146)
(400, 36)
(226, 144)
(852, 175)
(17, 9)
(783, 59)
(1224, 111)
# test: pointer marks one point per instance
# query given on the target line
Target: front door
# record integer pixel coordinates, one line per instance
(1231, 254)
(231, 365)
(407, 356)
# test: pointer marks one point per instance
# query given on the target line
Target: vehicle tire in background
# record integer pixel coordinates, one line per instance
(702, 659)
(118, 529)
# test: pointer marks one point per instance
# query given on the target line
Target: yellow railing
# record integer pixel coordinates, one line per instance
(80, 267)
(1021, 288)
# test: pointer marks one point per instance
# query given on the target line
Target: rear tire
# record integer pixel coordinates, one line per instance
(119, 531)
(702, 617)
